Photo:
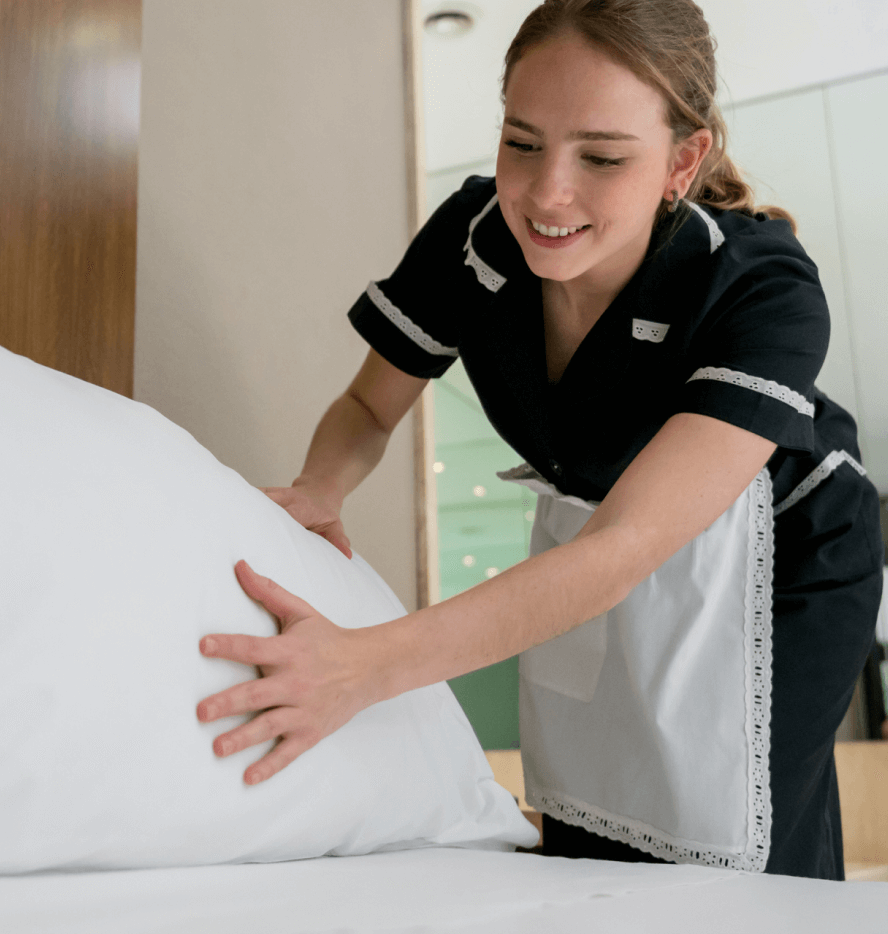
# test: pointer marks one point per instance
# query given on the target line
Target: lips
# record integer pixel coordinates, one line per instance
(553, 243)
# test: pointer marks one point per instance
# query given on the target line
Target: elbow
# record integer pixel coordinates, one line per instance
(368, 411)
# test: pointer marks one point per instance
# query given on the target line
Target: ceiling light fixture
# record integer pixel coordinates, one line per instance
(449, 23)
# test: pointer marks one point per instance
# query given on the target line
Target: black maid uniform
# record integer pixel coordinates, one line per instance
(695, 721)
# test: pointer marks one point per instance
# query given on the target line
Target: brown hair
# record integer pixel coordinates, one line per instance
(667, 45)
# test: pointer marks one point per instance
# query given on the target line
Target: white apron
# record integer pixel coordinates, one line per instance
(650, 723)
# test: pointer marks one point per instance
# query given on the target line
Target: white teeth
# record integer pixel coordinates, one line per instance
(554, 231)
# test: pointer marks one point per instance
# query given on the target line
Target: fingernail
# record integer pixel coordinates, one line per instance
(253, 778)
(224, 749)
(205, 711)
(208, 645)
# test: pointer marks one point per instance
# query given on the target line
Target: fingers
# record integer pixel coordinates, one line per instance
(280, 722)
(268, 725)
(312, 515)
(279, 602)
(272, 724)
(279, 758)
(244, 698)
(248, 650)
(277, 494)
(337, 538)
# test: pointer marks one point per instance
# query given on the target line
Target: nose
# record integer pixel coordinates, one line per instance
(552, 184)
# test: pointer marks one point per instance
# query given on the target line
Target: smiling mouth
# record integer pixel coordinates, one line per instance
(545, 231)
(556, 239)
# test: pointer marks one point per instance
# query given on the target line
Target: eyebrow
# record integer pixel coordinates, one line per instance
(575, 135)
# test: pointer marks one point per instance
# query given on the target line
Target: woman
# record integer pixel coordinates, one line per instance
(705, 563)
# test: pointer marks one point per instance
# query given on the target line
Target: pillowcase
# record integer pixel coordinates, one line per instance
(118, 537)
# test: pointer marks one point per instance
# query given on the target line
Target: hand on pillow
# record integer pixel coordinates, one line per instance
(315, 677)
(314, 509)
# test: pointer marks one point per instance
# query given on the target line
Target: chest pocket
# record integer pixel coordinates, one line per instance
(651, 331)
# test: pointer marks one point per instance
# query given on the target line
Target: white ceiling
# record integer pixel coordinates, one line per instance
(770, 46)
(765, 47)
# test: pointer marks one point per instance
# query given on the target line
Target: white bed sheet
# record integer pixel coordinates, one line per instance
(438, 891)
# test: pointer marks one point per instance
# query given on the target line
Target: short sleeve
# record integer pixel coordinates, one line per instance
(412, 318)
(763, 340)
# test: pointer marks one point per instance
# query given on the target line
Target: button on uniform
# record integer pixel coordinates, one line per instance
(557, 469)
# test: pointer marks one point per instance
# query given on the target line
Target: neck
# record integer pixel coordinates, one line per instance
(598, 287)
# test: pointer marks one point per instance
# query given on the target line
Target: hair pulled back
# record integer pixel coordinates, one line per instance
(667, 45)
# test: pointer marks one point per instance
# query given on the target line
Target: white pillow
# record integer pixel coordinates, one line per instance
(118, 537)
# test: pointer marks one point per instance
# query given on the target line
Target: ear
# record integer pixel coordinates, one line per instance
(687, 157)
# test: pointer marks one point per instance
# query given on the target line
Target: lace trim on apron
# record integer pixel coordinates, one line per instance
(759, 603)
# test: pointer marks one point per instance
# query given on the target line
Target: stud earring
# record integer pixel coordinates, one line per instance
(673, 204)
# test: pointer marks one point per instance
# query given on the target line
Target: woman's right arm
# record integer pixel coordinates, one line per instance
(347, 444)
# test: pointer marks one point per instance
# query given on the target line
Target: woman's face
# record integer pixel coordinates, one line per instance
(584, 145)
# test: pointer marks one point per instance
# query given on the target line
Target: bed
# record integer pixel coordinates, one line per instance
(120, 533)
(441, 890)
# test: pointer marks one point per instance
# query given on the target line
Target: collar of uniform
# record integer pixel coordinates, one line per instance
(495, 255)
(491, 249)
(512, 320)
(509, 320)
(665, 286)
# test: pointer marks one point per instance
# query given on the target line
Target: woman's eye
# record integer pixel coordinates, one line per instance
(598, 161)
(604, 163)
(521, 147)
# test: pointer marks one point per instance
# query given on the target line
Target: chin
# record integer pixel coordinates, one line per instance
(558, 268)
(557, 272)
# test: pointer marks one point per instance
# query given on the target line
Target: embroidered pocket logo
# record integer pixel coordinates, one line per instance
(648, 330)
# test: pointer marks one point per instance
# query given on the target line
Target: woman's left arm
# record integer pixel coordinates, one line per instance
(318, 676)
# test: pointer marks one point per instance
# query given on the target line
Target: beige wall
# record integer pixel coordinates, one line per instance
(272, 187)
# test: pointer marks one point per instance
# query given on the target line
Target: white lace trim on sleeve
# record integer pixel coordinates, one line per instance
(648, 330)
(766, 387)
(830, 463)
(403, 323)
(716, 237)
(488, 277)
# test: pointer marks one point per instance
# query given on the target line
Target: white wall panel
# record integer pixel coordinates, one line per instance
(773, 46)
(272, 187)
(461, 75)
(859, 133)
(782, 145)
(441, 185)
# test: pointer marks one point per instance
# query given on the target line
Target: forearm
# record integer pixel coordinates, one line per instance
(536, 600)
(347, 444)
(682, 481)
(685, 478)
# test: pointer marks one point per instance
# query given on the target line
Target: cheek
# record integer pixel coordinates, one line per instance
(508, 188)
(637, 195)
(507, 179)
